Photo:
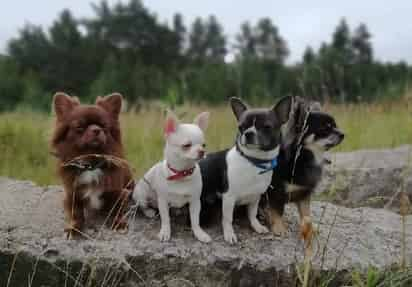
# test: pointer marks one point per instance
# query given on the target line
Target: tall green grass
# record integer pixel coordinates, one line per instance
(24, 149)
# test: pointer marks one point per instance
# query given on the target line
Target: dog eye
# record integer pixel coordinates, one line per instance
(204, 145)
(79, 130)
(187, 146)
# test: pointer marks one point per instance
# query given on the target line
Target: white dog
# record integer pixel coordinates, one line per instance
(176, 180)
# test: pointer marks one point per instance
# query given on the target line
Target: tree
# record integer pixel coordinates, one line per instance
(180, 31)
(269, 44)
(246, 42)
(362, 45)
(308, 55)
(207, 42)
(215, 41)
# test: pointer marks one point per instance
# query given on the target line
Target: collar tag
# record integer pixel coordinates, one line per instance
(265, 169)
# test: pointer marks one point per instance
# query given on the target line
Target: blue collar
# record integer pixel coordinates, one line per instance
(265, 165)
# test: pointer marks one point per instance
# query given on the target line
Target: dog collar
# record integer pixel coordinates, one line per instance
(179, 174)
(81, 166)
(265, 165)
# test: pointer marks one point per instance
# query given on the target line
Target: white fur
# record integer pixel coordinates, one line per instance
(155, 190)
(246, 186)
(88, 177)
(91, 179)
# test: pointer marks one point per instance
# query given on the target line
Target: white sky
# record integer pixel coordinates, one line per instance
(301, 23)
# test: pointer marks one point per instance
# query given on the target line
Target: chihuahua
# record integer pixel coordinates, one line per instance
(300, 163)
(176, 181)
(240, 175)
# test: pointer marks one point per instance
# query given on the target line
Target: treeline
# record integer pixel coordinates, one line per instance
(126, 48)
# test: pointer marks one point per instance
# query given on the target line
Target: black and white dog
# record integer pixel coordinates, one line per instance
(300, 163)
(240, 175)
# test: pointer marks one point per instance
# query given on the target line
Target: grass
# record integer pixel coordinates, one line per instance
(25, 152)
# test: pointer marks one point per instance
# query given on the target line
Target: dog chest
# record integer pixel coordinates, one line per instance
(177, 192)
(245, 180)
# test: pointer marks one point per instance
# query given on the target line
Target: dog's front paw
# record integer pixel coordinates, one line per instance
(202, 236)
(230, 235)
(259, 228)
(279, 228)
(120, 225)
(149, 212)
(306, 229)
(72, 232)
(164, 234)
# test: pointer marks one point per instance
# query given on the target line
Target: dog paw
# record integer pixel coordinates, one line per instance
(307, 229)
(259, 228)
(164, 234)
(202, 236)
(120, 225)
(72, 232)
(279, 228)
(230, 236)
(149, 212)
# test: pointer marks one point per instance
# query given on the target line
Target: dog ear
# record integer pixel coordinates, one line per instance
(171, 123)
(202, 120)
(112, 103)
(282, 109)
(64, 104)
(238, 107)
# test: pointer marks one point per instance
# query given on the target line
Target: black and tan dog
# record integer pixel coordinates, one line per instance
(309, 134)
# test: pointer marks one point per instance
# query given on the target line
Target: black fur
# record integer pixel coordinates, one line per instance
(306, 171)
(213, 169)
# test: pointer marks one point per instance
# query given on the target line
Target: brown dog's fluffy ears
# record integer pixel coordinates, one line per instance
(63, 104)
(112, 103)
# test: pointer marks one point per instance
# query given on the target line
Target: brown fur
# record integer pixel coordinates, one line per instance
(90, 129)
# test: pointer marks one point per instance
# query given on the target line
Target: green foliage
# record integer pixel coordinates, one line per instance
(24, 135)
(126, 48)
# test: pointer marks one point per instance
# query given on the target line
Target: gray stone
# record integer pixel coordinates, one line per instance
(33, 248)
(368, 178)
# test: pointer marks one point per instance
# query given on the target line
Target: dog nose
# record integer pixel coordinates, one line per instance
(201, 153)
(340, 134)
(249, 136)
(95, 130)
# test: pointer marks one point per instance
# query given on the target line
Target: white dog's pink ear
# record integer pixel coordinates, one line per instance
(202, 120)
(64, 104)
(171, 123)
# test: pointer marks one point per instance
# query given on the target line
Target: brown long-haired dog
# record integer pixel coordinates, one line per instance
(87, 143)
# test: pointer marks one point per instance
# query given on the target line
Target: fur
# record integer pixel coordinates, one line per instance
(230, 178)
(83, 130)
(300, 165)
(185, 146)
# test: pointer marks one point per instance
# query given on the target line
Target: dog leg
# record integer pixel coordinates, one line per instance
(306, 228)
(254, 222)
(164, 234)
(228, 205)
(277, 225)
(74, 210)
(194, 220)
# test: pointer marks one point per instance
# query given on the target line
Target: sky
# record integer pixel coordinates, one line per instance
(301, 23)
